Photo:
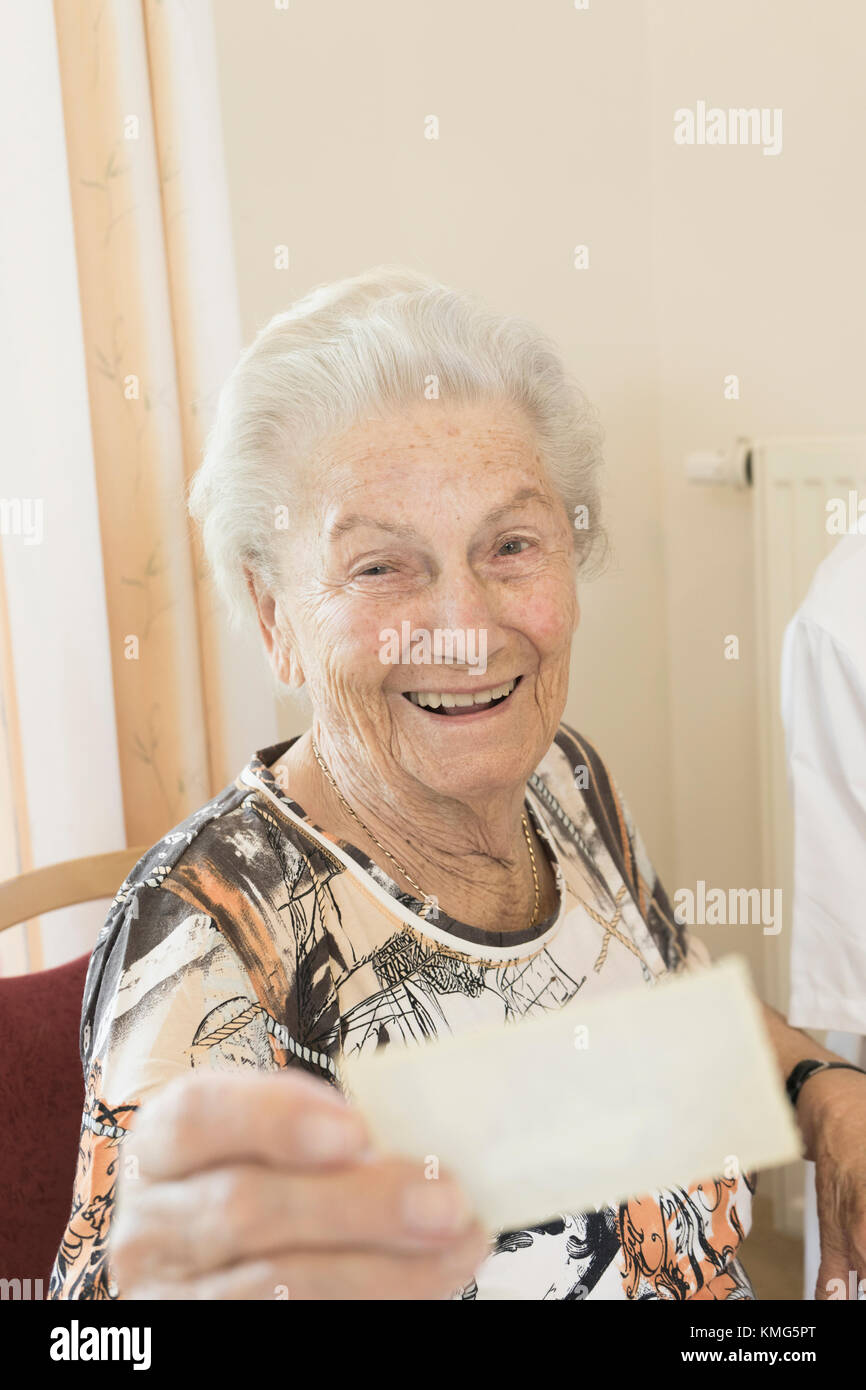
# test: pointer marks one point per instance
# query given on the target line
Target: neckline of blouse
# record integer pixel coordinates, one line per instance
(447, 931)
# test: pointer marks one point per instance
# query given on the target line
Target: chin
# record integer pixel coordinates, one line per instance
(483, 777)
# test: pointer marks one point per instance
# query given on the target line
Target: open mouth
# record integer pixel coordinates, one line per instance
(466, 703)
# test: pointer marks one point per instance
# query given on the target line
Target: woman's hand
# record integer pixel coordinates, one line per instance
(258, 1186)
(833, 1120)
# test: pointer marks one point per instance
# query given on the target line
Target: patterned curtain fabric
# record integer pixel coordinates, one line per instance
(159, 331)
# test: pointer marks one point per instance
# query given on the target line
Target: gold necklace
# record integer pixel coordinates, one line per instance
(422, 896)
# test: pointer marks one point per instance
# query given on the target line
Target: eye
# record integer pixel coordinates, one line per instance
(375, 570)
(512, 541)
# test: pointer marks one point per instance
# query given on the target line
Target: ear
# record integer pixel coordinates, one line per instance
(279, 644)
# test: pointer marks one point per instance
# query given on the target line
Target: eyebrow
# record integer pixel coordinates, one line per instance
(355, 519)
(525, 494)
(349, 523)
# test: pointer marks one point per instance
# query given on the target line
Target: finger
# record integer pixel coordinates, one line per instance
(832, 1281)
(286, 1119)
(304, 1274)
(857, 1247)
(227, 1215)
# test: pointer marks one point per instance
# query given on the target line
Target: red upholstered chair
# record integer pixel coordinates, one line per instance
(41, 1099)
(41, 1083)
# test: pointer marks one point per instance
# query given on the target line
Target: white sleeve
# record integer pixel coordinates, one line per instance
(824, 712)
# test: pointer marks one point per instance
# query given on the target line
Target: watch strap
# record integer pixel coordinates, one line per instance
(809, 1067)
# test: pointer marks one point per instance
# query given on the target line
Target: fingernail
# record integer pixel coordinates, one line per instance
(330, 1136)
(435, 1208)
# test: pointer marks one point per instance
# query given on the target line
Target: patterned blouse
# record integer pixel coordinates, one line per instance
(248, 937)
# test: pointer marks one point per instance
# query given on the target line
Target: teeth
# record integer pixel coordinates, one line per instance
(431, 699)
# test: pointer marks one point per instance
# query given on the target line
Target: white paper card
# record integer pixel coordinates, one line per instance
(641, 1089)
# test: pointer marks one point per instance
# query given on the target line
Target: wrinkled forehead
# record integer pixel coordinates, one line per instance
(455, 463)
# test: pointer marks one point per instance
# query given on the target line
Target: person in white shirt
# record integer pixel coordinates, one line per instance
(824, 713)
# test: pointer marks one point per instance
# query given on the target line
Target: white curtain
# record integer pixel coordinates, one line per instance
(125, 703)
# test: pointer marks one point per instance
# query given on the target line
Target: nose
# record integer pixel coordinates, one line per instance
(460, 602)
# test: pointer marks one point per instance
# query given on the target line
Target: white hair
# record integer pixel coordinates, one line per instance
(369, 346)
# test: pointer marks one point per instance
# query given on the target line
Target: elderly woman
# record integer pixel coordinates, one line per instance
(401, 486)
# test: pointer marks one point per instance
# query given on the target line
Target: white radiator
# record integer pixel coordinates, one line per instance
(793, 480)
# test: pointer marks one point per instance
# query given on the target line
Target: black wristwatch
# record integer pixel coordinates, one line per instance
(808, 1067)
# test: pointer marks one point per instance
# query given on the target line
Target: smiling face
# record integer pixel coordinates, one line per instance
(434, 534)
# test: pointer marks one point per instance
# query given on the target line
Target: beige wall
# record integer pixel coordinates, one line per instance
(758, 270)
(556, 129)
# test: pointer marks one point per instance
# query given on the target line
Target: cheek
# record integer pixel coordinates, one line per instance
(348, 642)
(547, 616)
